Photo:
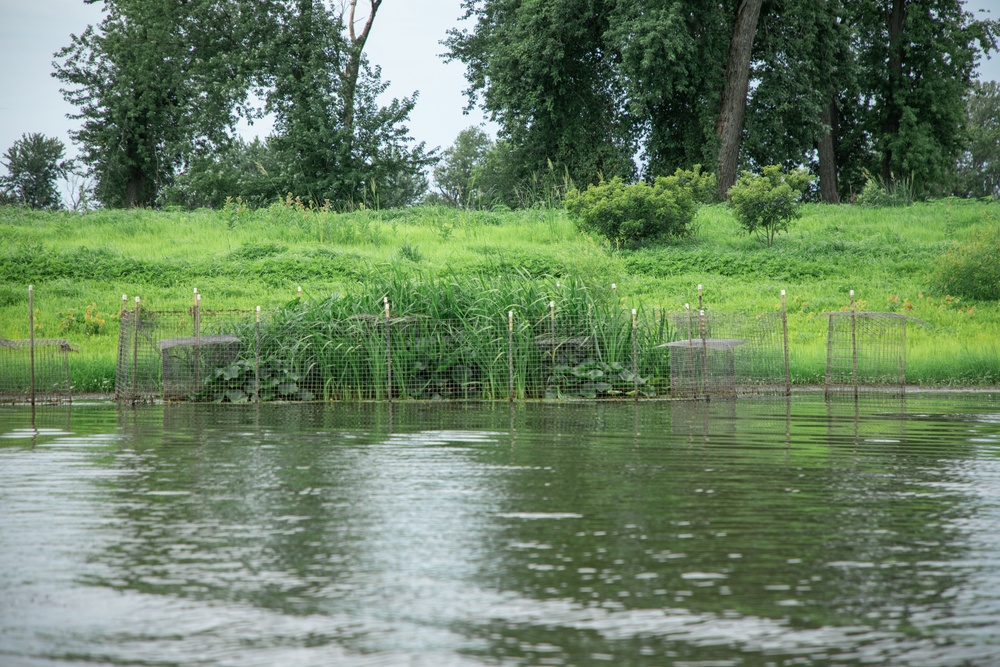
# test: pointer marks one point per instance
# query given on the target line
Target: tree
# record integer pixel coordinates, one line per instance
(334, 139)
(454, 175)
(917, 62)
(734, 94)
(979, 165)
(154, 82)
(670, 53)
(804, 70)
(546, 74)
(34, 166)
(765, 204)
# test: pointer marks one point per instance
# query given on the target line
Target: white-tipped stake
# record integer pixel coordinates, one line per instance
(614, 286)
(633, 319)
(852, 294)
(699, 288)
(687, 306)
(258, 313)
(137, 300)
(782, 292)
(385, 302)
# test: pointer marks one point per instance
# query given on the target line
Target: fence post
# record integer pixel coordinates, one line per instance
(135, 351)
(784, 337)
(704, 350)
(197, 342)
(552, 321)
(854, 348)
(510, 355)
(256, 366)
(902, 363)
(31, 340)
(388, 350)
(635, 357)
(122, 361)
(700, 305)
(829, 358)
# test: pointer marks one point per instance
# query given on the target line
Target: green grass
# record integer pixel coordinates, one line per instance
(241, 259)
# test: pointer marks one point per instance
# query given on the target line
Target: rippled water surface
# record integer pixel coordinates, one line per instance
(729, 533)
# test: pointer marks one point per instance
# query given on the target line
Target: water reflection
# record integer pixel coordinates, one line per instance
(739, 532)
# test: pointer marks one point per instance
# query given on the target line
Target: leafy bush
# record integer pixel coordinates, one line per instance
(630, 215)
(971, 270)
(765, 204)
(880, 194)
(703, 185)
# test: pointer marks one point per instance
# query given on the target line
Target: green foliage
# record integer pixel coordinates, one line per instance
(971, 270)
(879, 193)
(335, 140)
(702, 184)
(455, 174)
(765, 204)
(978, 169)
(631, 215)
(154, 82)
(34, 165)
(546, 74)
(87, 321)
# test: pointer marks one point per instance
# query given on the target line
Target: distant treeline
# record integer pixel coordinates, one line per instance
(582, 90)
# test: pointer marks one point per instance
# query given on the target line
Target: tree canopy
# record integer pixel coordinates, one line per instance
(840, 87)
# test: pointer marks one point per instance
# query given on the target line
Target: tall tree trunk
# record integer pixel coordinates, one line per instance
(734, 97)
(357, 49)
(893, 114)
(828, 186)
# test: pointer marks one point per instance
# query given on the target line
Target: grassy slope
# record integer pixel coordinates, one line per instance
(244, 259)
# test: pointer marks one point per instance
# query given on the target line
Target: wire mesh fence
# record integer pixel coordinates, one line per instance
(866, 351)
(233, 357)
(35, 370)
(725, 354)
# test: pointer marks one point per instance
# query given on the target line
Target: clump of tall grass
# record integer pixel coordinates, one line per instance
(463, 336)
(971, 269)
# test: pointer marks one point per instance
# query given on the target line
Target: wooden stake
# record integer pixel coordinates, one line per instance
(784, 337)
(31, 340)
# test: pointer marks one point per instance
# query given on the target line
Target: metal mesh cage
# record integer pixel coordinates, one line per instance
(38, 372)
(723, 354)
(865, 350)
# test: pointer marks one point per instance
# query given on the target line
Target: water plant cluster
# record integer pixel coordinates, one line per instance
(450, 337)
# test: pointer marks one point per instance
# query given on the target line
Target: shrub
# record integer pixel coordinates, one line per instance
(765, 204)
(971, 270)
(702, 184)
(630, 215)
(879, 194)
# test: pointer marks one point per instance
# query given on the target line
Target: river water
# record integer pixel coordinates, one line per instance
(773, 532)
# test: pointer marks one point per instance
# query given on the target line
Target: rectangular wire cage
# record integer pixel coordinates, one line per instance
(725, 354)
(865, 351)
(35, 370)
(198, 357)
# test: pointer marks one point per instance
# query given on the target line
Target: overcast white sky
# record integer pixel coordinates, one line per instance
(405, 42)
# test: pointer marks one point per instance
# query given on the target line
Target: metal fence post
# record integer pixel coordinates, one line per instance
(854, 348)
(388, 350)
(31, 340)
(135, 351)
(510, 355)
(784, 338)
(635, 357)
(256, 367)
(197, 341)
(704, 351)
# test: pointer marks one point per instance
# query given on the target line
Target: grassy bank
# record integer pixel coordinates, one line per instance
(241, 259)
